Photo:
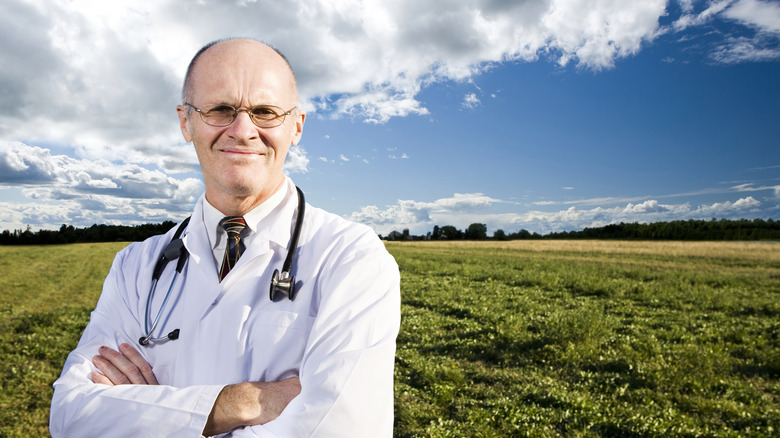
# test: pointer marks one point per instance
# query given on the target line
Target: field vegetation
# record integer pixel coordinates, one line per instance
(498, 339)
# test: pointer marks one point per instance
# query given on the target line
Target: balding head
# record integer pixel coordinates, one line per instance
(242, 162)
(237, 45)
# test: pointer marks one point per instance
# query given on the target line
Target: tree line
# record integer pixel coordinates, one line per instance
(95, 233)
(722, 229)
(714, 229)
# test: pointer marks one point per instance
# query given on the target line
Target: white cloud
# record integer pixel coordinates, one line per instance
(649, 211)
(690, 19)
(724, 208)
(110, 91)
(464, 202)
(686, 5)
(761, 16)
(342, 157)
(411, 214)
(750, 187)
(461, 210)
(470, 101)
(296, 161)
(742, 49)
(651, 206)
(756, 13)
(88, 191)
(72, 74)
(406, 214)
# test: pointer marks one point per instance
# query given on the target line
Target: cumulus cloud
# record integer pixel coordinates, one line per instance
(649, 211)
(366, 58)
(463, 210)
(112, 93)
(411, 214)
(106, 88)
(72, 73)
(85, 190)
(296, 161)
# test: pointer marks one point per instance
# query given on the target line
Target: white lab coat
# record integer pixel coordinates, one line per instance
(338, 335)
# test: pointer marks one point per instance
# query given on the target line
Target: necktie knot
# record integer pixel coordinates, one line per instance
(233, 225)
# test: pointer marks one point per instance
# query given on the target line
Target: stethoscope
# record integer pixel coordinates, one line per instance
(282, 285)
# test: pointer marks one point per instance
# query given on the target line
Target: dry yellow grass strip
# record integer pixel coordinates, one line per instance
(766, 251)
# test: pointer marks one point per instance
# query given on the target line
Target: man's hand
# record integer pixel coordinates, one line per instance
(250, 404)
(239, 405)
(122, 367)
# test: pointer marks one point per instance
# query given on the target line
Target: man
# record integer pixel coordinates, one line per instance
(243, 365)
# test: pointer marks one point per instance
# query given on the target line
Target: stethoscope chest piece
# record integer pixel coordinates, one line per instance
(282, 286)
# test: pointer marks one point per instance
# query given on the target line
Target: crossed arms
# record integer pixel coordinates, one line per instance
(342, 380)
(238, 405)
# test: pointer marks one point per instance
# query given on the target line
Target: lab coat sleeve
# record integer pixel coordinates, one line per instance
(347, 369)
(81, 408)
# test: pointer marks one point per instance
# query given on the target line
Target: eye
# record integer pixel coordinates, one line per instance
(266, 112)
(220, 111)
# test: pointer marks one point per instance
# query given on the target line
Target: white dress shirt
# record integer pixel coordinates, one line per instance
(338, 335)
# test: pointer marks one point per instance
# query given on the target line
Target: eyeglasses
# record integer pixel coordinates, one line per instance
(264, 116)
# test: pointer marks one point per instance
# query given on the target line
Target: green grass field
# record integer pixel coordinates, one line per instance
(499, 339)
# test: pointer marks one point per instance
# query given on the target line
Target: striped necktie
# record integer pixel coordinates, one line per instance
(233, 225)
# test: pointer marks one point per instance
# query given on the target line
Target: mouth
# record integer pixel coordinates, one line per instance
(241, 151)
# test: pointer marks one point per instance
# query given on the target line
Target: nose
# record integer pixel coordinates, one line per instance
(242, 127)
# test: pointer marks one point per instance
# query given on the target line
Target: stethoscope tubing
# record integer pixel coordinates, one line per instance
(145, 340)
(281, 286)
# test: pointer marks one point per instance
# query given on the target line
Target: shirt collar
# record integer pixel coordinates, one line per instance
(212, 217)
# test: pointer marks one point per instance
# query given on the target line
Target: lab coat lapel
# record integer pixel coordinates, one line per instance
(202, 287)
(201, 281)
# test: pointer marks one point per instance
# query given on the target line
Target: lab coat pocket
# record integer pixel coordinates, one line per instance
(277, 340)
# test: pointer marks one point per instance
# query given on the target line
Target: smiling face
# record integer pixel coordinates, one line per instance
(241, 163)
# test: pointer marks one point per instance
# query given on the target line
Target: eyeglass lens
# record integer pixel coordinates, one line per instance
(264, 116)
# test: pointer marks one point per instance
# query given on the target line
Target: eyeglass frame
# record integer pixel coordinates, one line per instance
(281, 117)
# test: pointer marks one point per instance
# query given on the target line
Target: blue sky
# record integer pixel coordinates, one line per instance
(536, 115)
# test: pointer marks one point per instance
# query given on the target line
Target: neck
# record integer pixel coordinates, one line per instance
(239, 205)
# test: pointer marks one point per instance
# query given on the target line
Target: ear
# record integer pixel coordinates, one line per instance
(299, 119)
(181, 110)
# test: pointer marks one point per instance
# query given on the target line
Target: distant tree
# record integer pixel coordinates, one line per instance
(476, 232)
(499, 234)
(436, 234)
(394, 235)
(449, 232)
(522, 234)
